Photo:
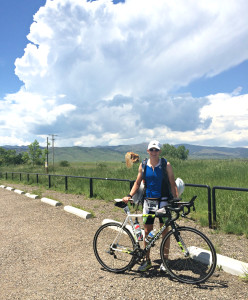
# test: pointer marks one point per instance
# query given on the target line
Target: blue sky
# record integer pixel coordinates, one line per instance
(16, 18)
(104, 73)
(226, 82)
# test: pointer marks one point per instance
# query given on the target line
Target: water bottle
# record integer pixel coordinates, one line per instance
(150, 236)
(138, 230)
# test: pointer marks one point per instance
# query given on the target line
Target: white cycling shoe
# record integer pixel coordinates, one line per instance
(162, 268)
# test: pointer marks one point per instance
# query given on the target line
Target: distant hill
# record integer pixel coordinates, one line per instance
(117, 153)
(203, 152)
(88, 154)
(99, 153)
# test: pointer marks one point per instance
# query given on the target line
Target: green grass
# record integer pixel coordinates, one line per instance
(231, 206)
(244, 277)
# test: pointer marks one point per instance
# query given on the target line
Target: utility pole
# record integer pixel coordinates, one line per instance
(53, 139)
(46, 163)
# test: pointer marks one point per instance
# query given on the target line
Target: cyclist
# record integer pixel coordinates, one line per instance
(153, 194)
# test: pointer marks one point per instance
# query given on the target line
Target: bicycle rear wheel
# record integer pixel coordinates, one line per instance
(113, 246)
(188, 255)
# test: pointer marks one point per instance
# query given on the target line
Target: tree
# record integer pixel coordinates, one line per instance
(25, 157)
(64, 163)
(9, 157)
(182, 153)
(35, 152)
(2, 155)
(171, 151)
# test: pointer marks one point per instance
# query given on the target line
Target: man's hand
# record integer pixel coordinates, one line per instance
(126, 199)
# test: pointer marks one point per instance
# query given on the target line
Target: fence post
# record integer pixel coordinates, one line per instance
(210, 224)
(91, 187)
(66, 183)
(37, 178)
(28, 177)
(20, 176)
(214, 207)
(49, 181)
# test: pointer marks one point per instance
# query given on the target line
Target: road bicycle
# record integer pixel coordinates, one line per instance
(189, 258)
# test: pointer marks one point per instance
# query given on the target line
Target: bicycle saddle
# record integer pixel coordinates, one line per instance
(120, 204)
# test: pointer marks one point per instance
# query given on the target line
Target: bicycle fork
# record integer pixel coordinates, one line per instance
(180, 241)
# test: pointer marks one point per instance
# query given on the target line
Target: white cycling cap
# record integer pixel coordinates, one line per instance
(154, 144)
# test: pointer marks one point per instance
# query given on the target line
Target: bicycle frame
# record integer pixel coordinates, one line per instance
(168, 222)
(130, 220)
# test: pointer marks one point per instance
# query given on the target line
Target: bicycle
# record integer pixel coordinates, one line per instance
(191, 258)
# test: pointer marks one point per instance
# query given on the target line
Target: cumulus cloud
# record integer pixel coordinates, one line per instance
(229, 118)
(103, 73)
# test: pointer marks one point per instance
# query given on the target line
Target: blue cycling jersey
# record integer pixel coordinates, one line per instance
(153, 180)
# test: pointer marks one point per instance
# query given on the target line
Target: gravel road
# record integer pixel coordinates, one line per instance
(46, 253)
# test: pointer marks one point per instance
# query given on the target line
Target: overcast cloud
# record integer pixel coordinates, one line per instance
(97, 73)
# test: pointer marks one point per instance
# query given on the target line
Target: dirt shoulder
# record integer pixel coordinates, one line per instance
(46, 253)
(226, 244)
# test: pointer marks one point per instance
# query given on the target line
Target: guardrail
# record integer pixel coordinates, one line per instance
(211, 204)
(131, 182)
(227, 188)
(209, 200)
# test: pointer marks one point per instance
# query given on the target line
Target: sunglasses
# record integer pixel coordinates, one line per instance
(153, 149)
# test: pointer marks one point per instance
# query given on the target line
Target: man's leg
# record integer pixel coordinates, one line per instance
(147, 263)
(148, 228)
(167, 244)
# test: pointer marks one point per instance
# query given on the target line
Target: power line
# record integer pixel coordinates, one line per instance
(53, 140)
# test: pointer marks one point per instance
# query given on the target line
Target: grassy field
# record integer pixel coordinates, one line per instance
(231, 206)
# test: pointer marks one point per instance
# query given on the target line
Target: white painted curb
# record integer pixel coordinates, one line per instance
(109, 221)
(19, 192)
(78, 212)
(3, 186)
(229, 265)
(50, 201)
(232, 266)
(9, 188)
(32, 196)
(200, 254)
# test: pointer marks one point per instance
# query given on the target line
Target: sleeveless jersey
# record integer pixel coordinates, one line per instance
(154, 180)
(156, 183)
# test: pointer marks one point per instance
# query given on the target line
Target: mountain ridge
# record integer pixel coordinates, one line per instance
(117, 153)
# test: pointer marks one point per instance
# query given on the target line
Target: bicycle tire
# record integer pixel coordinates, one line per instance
(193, 267)
(113, 246)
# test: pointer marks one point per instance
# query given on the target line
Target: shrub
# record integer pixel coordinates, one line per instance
(64, 163)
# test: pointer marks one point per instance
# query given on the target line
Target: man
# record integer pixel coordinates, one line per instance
(155, 192)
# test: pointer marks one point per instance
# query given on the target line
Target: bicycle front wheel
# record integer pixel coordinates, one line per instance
(188, 255)
(113, 247)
